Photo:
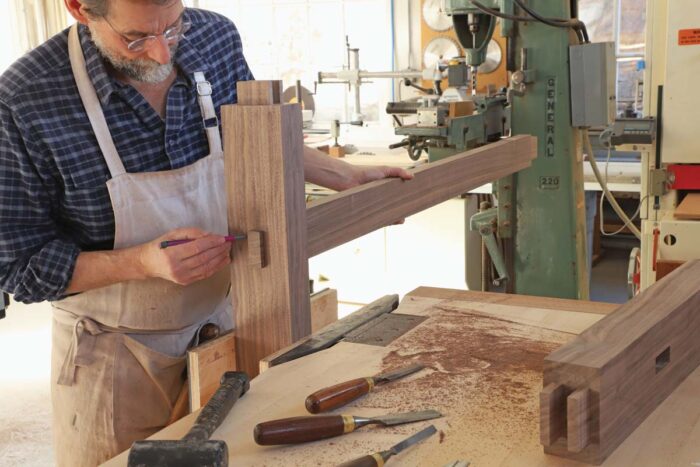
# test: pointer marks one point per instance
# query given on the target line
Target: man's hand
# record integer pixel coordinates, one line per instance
(338, 175)
(366, 174)
(185, 264)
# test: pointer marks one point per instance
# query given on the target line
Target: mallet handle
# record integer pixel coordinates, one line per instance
(233, 386)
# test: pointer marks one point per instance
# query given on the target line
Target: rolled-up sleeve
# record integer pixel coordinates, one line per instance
(36, 263)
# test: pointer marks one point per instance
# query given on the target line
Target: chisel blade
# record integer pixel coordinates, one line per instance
(415, 439)
(398, 374)
(408, 417)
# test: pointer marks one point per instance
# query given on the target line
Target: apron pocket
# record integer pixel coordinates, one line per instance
(146, 386)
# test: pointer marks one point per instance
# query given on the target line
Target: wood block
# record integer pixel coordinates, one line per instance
(627, 364)
(338, 219)
(324, 309)
(259, 92)
(257, 256)
(577, 420)
(461, 109)
(552, 406)
(336, 151)
(666, 267)
(265, 184)
(205, 366)
(689, 209)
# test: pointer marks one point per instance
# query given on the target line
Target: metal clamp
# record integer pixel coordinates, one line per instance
(484, 223)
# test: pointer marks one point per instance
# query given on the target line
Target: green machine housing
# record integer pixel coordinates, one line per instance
(536, 236)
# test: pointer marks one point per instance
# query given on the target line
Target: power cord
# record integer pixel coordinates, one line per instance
(629, 223)
(578, 26)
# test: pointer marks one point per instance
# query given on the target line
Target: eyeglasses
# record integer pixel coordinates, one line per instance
(172, 34)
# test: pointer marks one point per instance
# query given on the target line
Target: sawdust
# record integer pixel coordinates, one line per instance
(484, 374)
(481, 371)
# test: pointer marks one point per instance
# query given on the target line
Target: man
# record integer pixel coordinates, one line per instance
(109, 145)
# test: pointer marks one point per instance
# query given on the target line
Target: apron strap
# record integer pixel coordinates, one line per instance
(80, 350)
(209, 118)
(92, 105)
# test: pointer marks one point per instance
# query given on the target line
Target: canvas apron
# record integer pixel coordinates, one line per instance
(118, 352)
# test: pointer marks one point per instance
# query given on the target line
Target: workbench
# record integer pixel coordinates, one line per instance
(484, 354)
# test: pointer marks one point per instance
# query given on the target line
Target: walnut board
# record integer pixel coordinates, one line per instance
(265, 185)
(350, 214)
(615, 373)
(484, 373)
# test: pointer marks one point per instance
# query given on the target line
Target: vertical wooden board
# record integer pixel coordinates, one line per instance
(552, 414)
(578, 419)
(205, 366)
(259, 92)
(265, 184)
(324, 309)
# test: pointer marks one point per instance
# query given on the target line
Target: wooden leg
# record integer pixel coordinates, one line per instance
(265, 183)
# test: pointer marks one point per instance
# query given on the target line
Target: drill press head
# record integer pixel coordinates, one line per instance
(474, 29)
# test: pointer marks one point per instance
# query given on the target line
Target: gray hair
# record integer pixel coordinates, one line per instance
(100, 8)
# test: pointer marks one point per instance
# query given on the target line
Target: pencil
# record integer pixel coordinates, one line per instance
(229, 238)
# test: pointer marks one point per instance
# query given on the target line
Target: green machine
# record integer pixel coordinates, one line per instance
(536, 234)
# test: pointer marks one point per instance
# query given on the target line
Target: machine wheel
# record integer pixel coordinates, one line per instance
(634, 272)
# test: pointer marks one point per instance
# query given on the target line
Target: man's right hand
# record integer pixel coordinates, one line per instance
(188, 263)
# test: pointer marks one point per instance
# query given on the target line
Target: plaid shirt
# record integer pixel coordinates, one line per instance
(53, 195)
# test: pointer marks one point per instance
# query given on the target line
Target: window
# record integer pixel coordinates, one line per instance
(624, 22)
(296, 39)
(9, 52)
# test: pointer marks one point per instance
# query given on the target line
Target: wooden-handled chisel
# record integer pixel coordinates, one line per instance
(337, 396)
(304, 429)
(379, 458)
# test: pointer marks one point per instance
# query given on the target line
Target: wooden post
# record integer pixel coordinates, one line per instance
(263, 145)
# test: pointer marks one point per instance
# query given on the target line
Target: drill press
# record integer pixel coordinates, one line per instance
(536, 234)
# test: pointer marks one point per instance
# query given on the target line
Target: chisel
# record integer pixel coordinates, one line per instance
(337, 396)
(304, 429)
(379, 458)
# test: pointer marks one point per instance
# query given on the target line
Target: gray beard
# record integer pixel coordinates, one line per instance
(139, 69)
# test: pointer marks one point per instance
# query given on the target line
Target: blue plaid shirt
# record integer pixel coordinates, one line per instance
(53, 195)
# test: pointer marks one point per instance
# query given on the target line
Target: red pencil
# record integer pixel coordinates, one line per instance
(229, 238)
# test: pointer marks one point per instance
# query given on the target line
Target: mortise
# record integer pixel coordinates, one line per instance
(663, 359)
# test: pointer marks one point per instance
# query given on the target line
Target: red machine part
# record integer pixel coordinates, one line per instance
(685, 177)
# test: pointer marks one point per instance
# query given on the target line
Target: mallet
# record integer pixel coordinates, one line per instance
(196, 448)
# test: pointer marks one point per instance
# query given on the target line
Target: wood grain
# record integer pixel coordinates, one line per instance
(265, 187)
(560, 304)
(577, 420)
(484, 427)
(629, 362)
(257, 256)
(666, 267)
(348, 215)
(552, 405)
(689, 209)
(324, 309)
(205, 366)
(259, 92)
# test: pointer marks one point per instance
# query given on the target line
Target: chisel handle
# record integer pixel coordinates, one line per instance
(375, 460)
(337, 396)
(303, 429)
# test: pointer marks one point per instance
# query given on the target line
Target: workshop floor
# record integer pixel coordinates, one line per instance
(25, 394)
(25, 348)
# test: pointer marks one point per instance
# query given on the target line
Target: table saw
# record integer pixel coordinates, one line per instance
(484, 355)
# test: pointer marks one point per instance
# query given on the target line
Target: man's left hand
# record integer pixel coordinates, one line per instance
(366, 174)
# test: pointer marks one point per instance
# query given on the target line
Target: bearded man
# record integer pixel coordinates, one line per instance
(110, 144)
